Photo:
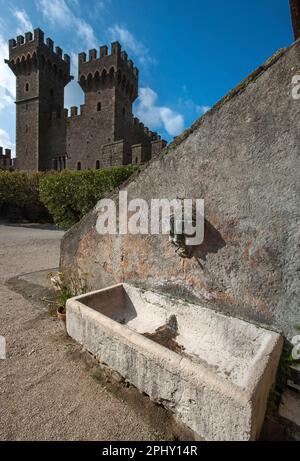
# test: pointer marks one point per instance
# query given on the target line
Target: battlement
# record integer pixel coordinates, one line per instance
(31, 49)
(95, 70)
(152, 135)
(59, 114)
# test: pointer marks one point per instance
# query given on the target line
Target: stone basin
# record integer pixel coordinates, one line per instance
(213, 372)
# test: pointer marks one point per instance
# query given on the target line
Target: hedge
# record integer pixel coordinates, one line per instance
(63, 198)
(19, 197)
(69, 195)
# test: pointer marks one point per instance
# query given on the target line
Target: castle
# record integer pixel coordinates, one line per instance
(103, 133)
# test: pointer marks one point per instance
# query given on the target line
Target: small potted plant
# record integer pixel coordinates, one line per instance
(59, 284)
(65, 292)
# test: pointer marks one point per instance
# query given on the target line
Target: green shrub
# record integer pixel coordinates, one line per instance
(19, 196)
(69, 195)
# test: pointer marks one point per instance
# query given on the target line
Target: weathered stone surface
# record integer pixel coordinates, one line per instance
(242, 157)
(217, 378)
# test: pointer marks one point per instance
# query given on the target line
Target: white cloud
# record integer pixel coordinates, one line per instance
(5, 142)
(131, 44)
(85, 32)
(203, 109)
(59, 13)
(7, 80)
(156, 116)
(56, 12)
(73, 92)
(6, 99)
(74, 64)
(25, 24)
(193, 107)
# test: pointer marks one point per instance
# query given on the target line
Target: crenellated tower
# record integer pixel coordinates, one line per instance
(42, 73)
(110, 86)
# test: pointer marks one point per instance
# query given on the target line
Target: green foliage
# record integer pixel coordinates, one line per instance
(19, 196)
(71, 194)
(67, 289)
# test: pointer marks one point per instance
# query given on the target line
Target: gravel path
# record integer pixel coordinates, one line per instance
(47, 390)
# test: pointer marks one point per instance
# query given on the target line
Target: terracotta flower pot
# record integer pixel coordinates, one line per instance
(61, 314)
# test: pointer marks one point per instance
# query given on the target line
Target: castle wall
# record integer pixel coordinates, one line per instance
(87, 133)
(55, 151)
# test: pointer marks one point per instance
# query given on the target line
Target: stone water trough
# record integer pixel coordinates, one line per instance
(212, 371)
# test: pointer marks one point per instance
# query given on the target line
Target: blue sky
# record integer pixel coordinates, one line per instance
(190, 53)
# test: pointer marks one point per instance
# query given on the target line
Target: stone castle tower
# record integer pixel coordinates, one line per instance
(102, 133)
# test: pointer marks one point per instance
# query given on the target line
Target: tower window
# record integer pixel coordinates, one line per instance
(27, 87)
(99, 106)
(78, 166)
(97, 165)
(124, 111)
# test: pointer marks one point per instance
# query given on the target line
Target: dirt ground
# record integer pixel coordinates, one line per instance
(49, 389)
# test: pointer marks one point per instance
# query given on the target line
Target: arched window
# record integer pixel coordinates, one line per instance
(123, 111)
(97, 165)
(136, 160)
(99, 106)
(78, 166)
(27, 87)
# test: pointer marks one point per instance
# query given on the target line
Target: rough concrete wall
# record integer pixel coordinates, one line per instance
(242, 157)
